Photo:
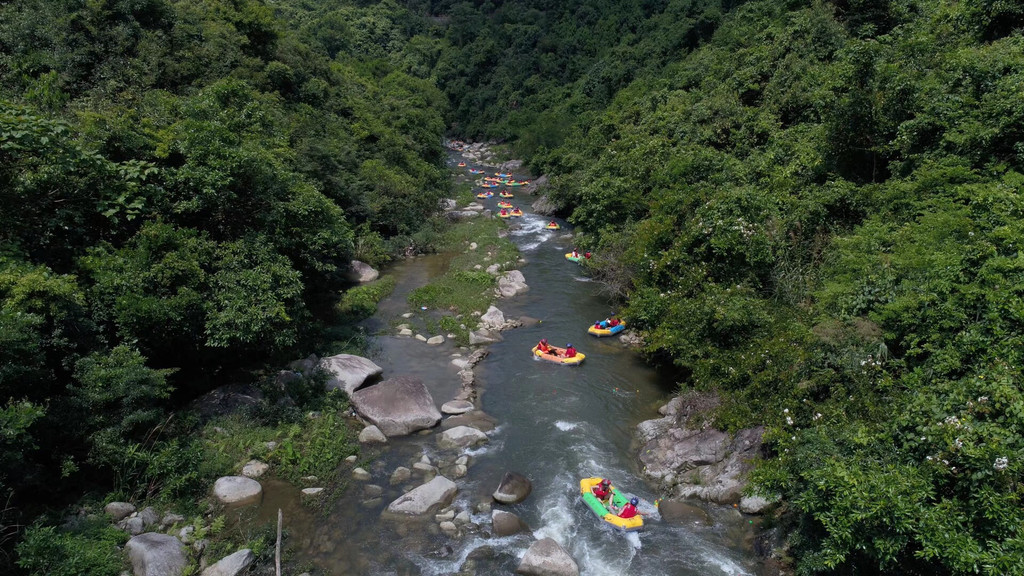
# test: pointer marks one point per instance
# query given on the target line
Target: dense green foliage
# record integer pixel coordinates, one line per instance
(813, 208)
(184, 183)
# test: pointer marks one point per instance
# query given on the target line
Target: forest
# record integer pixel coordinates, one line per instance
(809, 207)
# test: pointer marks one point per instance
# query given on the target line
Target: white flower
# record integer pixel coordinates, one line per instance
(792, 437)
(1001, 463)
(958, 444)
(789, 420)
(817, 415)
(785, 410)
(929, 458)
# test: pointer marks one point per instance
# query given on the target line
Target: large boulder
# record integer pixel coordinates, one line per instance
(694, 462)
(460, 437)
(153, 554)
(348, 372)
(494, 319)
(511, 283)
(237, 490)
(680, 512)
(505, 523)
(547, 558)
(232, 565)
(425, 498)
(514, 488)
(484, 336)
(362, 272)
(119, 510)
(227, 399)
(398, 406)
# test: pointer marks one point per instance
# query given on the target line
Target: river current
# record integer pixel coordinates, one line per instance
(555, 424)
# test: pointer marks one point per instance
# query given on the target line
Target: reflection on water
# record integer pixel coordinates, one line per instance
(556, 424)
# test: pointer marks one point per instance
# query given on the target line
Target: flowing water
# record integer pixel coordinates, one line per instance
(556, 424)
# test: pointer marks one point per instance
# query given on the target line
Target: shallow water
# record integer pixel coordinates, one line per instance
(556, 425)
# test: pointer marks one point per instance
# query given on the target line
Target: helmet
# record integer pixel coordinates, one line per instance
(634, 501)
(544, 340)
(568, 345)
(605, 482)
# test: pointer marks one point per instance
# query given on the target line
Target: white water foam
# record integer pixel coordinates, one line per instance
(566, 426)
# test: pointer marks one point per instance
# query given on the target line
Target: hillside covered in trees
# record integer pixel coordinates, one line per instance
(812, 208)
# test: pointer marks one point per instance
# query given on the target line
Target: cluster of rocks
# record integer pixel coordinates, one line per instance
(471, 210)
(163, 545)
(691, 460)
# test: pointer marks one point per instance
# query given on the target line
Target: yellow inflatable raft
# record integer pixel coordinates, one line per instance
(606, 329)
(601, 511)
(559, 357)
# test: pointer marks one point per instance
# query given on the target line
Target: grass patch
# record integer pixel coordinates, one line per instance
(464, 288)
(306, 446)
(360, 302)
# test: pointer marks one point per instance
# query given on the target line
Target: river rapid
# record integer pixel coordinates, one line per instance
(555, 424)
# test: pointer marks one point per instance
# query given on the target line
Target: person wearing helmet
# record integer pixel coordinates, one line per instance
(603, 490)
(629, 510)
(543, 346)
(570, 352)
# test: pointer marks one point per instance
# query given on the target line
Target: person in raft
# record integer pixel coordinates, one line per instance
(613, 322)
(544, 347)
(504, 212)
(598, 324)
(552, 223)
(575, 253)
(629, 510)
(603, 490)
(570, 352)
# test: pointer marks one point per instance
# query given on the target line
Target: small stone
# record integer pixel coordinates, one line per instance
(435, 340)
(462, 517)
(423, 467)
(270, 445)
(171, 519)
(459, 471)
(449, 528)
(372, 503)
(372, 435)
(401, 474)
(351, 459)
(483, 508)
(456, 407)
(360, 475)
(254, 469)
(185, 534)
(311, 491)
(425, 459)
(472, 245)
(405, 332)
(372, 490)
(408, 315)
(421, 337)
(462, 460)
(444, 516)
(149, 517)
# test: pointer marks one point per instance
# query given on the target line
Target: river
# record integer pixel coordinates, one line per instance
(556, 424)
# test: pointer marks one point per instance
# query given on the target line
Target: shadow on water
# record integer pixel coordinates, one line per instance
(556, 425)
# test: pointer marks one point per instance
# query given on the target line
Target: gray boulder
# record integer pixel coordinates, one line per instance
(348, 372)
(511, 283)
(457, 407)
(474, 419)
(133, 525)
(254, 469)
(150, 517)
(237, 490)
(679, 512)
(494, 319)
(483, 336)
(401, 474)
(398, 406)
(547, 558)
(119, 510)
(425, 498)
(362, 272)
(372, 435)
(460, 437)
(754, 504)
(227, 400)
(154, 554)
(513, 488)
(506, 523)
(232, 565)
